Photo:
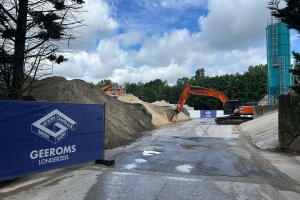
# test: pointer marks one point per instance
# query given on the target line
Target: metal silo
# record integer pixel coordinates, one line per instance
(279, 60)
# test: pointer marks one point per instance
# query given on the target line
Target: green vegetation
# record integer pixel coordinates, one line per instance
(289, 15)
(250, 87)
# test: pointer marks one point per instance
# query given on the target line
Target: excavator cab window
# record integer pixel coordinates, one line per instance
(230, 106)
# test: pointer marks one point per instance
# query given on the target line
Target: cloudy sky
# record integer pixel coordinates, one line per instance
(143, 40)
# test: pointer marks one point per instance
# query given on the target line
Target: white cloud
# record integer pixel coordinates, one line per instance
(234, 24)
(94, 66)
(232, 38)
(130, 38)
(159, 51)
(98, 21)
(147, 73)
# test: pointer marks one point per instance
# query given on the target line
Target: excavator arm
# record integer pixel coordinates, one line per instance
(201, 91)
(195, 90)
(107, 86)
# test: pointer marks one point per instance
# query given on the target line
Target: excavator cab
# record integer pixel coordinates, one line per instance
(237, 107)
(230, 106)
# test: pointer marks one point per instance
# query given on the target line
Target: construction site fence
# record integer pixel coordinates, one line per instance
(40, 136)
(197, 114)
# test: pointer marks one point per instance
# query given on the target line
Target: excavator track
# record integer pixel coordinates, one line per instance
(232, 120)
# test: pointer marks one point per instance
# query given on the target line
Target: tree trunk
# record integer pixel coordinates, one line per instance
(18, 63)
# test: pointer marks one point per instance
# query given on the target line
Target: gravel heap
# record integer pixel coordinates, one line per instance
(156, 109)
(126, 119)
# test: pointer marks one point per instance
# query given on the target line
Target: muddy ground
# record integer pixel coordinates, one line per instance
(127, 118)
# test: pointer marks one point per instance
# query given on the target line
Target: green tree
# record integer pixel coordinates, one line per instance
(182, 82)
(296, 72)
(199, 78)
(156, 86)
(289, 15)
(170, 94)
(103, 83)
(254, 82)
(200, 74)
(133, 88)
(149, 95)
(250, 86)
(29, 31)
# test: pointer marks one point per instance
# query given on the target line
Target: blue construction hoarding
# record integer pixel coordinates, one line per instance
(39, 136)
(208, 113)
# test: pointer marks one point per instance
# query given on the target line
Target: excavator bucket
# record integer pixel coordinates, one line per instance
(170, 114)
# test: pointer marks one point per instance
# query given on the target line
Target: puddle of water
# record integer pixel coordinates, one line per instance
(194, 138)
(184, 179)
(131, 166)
(188, 146)
(184, 168)
(151, 153)
(140, 160)
(157, 145)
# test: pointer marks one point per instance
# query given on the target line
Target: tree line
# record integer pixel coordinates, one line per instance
(250, 86)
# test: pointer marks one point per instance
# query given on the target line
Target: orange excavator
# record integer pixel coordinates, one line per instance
(236, 109)
(114, 90)
(107, 86)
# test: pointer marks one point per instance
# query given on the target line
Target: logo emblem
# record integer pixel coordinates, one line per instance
(207, 112)
(54, 126)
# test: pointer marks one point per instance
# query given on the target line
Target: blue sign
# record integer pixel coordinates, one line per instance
(39, 136)
(208, 113)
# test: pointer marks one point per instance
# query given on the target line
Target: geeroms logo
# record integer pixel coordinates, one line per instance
(52, 155)
(54, 126)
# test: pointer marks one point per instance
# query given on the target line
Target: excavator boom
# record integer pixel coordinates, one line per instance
(201, 91)
(107, 86)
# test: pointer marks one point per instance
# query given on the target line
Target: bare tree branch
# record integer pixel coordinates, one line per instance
(7, 13)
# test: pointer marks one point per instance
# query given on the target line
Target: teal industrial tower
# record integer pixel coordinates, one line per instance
(278, 60)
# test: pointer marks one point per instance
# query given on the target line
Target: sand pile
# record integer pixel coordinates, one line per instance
(262, 132)
(124, 122)
(156, 109)
(162, 103)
